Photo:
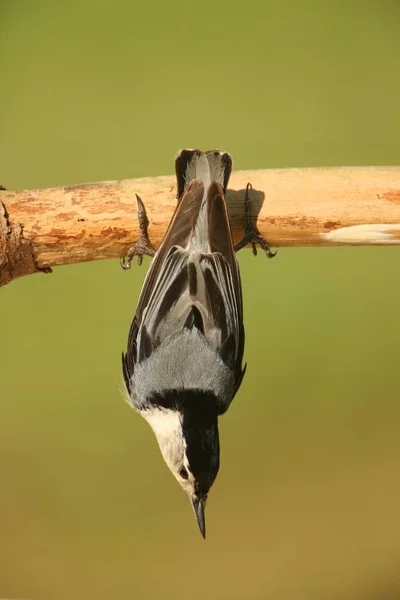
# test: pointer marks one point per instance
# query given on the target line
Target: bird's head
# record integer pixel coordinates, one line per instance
(185, 423)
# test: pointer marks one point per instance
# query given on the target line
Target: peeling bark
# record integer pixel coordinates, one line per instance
(16, 253)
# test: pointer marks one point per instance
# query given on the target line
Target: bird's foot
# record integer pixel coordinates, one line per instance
(251, 234)
(143, 246)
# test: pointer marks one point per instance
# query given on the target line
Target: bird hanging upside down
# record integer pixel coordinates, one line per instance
(183, 364)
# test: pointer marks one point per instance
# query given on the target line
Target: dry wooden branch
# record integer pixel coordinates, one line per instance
(295, 207)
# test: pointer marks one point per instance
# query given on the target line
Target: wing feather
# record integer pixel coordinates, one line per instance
(178, 233)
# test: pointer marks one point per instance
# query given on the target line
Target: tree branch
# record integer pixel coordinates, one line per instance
(295, 207)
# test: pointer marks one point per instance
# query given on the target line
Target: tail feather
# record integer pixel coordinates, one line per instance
(220, 164)
(207, 166)
(198, 168)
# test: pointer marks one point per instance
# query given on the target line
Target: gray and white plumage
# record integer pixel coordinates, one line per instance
(183, 363)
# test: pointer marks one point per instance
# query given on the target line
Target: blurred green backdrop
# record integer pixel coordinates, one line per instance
(306, 504)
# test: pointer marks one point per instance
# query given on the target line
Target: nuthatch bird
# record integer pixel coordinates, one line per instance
(183, 364)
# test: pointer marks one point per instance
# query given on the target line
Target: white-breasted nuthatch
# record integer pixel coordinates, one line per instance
(183, 364)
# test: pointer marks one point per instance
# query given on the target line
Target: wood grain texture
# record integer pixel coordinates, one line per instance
(294, 207)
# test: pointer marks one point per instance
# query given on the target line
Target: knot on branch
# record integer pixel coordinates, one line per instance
(16, 253)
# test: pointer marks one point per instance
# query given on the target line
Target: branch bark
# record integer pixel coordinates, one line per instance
(40, 229)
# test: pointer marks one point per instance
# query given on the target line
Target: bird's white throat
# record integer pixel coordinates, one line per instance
(167, 426)
(165, 423)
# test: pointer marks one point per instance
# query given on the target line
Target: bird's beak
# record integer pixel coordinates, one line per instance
(199, 505)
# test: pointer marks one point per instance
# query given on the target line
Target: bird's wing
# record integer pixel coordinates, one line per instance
(224, 284)
(178, 234)
(161, 277)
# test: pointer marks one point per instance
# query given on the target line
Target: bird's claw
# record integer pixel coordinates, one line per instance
(251, 233)
(143, 246)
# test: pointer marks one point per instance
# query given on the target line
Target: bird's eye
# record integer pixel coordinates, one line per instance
(183, 473)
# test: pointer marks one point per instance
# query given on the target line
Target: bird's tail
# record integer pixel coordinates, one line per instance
(208, 169)
(207, 166)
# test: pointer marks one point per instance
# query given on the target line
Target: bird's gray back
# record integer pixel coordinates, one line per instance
(185, 360)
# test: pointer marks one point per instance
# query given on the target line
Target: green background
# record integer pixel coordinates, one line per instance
(306, 504)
